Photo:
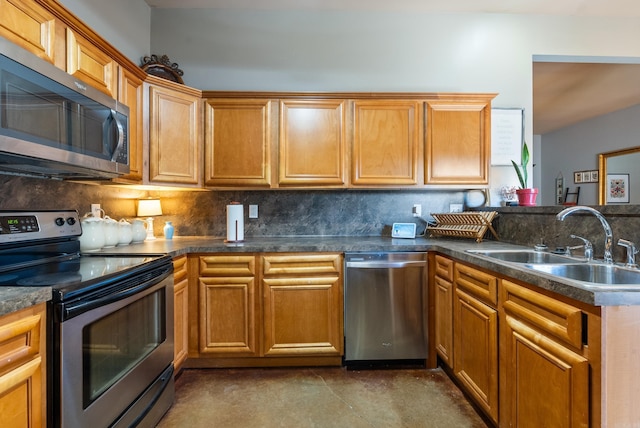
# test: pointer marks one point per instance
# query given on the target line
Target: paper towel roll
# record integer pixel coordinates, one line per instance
(235, 222)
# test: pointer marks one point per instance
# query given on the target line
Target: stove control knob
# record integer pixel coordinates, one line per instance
(60, 221)
(71, 221)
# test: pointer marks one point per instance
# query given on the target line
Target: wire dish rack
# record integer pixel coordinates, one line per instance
(463, 225)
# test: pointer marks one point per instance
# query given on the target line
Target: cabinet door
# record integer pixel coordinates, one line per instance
(130, 93)
(548, 384)
(229, 306)
(475, 340)
(28, 25)
(303, 304)
(180, 311)
(458, 142)
(386, 139)
(91, 65)
(544, 369)
(302, 316)
(174, 135)
(238, 138)
(22, 368)
(444, 309)
(312, 143)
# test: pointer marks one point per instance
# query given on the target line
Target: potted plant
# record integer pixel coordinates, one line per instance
(526, 195)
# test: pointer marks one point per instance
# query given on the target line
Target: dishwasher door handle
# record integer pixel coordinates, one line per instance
(385, 265)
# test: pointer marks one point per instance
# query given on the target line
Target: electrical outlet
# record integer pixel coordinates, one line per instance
(95, 210)
(253, 211)
(455, 208)
(417, 210)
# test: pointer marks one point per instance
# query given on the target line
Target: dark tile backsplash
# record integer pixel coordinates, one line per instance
(280, 212)
(317, 212)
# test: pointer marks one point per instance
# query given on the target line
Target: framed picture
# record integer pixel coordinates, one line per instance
(617, 188)
(594, 176)
(577, 177)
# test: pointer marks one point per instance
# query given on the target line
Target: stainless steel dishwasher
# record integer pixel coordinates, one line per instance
(385, 306)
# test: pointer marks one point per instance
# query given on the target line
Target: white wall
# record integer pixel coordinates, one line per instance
(126, 24)
(576, 148)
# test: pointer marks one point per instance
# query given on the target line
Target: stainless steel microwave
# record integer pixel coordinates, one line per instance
(53, 125)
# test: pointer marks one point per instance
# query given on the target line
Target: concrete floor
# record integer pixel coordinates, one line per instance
(318, 397)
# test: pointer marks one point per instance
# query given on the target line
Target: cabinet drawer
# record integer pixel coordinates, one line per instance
(179, 268)
(302, 264)
(562, 321)
(20, 337)
(444, 268)
(227, 266)
(477, 283)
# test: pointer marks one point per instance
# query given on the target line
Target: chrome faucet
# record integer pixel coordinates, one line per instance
(608, 233)
(588, 248)
(631, 252)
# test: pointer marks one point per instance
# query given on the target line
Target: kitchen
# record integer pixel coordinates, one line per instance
(202, 213)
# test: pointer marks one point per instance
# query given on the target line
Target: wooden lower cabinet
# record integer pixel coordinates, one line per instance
(543, 370)
(253, 308)
(22, 368)
(229, 306)
(302, 305)
(443, 303)
(475, 336)
(526, 358)
(180, 311)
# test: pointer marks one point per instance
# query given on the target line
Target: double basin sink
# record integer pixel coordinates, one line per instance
(594, 274)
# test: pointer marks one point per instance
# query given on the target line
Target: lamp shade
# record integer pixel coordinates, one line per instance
(149, 207)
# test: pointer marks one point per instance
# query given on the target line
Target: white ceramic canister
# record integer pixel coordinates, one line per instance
(111, 232)
(139, 231)
(125, 232)
(92, 238)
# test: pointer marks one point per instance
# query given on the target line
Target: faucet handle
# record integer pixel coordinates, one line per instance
(588, 247)
(631, 252)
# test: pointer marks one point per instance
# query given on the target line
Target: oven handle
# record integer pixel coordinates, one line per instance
(71, 310)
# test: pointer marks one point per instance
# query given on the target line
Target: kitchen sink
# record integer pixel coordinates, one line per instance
(603, 274)
(525, 256)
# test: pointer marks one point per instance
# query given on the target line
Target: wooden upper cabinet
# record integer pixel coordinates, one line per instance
(90, 64)
(386, 140)
(458, 141)
(130, 94)
(28, 25)
(174, 133)
(312, 143)
(238, 138)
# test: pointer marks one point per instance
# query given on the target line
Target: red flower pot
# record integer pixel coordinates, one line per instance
(527, 197)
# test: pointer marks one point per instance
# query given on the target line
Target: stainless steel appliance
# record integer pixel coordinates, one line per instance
(385, 307)
(53, 125)
(110, 321)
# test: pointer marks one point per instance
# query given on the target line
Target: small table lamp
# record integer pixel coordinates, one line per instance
(149, 208)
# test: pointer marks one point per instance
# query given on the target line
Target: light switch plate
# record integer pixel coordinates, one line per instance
(403, 230)
(253, 211)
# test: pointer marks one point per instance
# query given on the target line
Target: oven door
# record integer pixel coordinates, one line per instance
(113, 354)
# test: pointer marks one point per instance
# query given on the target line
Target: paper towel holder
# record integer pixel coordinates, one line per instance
(235, 225)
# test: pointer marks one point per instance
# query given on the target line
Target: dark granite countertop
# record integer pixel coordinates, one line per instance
(598, 296)
(15, 298)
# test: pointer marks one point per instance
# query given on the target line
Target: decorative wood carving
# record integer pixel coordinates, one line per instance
(162, 67)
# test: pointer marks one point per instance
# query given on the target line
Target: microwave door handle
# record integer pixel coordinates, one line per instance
(118, 149)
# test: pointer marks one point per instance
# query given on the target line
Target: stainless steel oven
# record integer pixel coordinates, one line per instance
(110, 322)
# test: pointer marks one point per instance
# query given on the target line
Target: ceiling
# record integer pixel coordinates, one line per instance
(563, 93)
(626, 8)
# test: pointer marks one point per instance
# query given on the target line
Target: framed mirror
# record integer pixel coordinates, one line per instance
(619, 182)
